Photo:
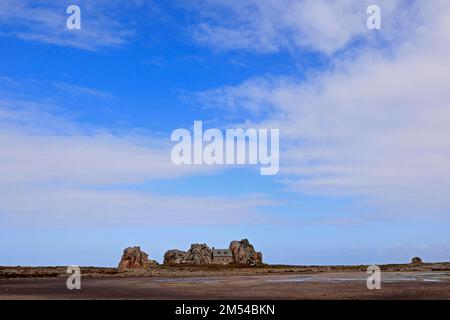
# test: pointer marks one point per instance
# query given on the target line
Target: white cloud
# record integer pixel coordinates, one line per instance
(45, 21)
(252, 96)
(375, 125)
(80, 179)
(68, 207)
(271, 25)
(54, 172)
(81, 90)
(97, 159)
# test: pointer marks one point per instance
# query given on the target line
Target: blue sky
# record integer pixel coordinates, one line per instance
(86, 117)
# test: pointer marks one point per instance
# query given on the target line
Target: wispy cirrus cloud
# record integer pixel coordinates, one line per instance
(45, 21)
(77, 90)
(72, 207)
(272, 25)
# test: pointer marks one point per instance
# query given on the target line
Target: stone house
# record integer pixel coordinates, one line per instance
(222, 256)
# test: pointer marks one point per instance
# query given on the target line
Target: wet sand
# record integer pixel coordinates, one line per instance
(333, 285)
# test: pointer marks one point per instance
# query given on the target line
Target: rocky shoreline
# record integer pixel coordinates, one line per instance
(199, 261)
(11, 272)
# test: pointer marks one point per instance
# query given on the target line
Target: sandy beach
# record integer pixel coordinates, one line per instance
(226, 285)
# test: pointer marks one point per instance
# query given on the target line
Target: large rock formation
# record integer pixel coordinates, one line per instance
(244, 253)
(198, 254)
(175, 256)
(134, 258)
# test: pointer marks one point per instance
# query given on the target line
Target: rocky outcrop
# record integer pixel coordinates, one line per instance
(259, 257)
(416, 260)
(199, 254)
(244, 253)
(135, 258)
(175, 256)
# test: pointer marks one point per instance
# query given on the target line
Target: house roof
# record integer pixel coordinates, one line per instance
(222, 253)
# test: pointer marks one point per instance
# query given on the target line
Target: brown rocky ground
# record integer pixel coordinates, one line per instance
(208, 270)
(427, 281)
